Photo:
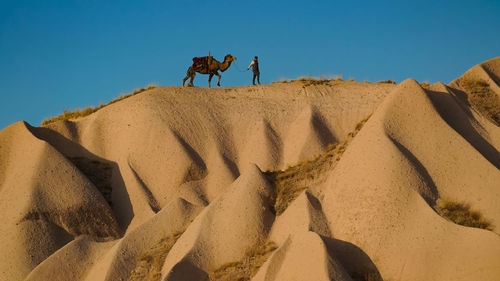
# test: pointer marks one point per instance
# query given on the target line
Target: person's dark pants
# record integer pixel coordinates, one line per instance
(256, 74)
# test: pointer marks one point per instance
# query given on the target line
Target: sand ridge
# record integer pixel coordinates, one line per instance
(175, 184)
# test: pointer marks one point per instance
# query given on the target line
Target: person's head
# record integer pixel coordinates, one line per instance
(256, 58)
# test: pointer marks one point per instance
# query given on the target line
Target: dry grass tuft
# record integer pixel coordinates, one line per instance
(293, 180)
(482, 98)
(387, 82)
(425, 85)
(246, 268)
(148, 267)
(282, 81)
(308, 80)
(67, 114)
(96, 222)
(461, 213)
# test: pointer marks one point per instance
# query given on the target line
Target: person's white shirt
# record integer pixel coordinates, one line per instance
(252, 63)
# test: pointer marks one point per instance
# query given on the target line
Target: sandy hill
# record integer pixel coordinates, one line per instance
(307, 180)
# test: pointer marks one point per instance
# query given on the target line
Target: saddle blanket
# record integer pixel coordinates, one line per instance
(199, 61)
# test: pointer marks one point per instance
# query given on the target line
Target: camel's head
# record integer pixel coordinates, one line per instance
(229, 58)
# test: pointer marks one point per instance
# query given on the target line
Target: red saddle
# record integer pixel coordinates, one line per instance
(200, 61)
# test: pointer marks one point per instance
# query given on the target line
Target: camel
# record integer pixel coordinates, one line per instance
(209, 66)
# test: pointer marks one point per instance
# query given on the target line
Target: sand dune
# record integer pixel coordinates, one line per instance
(287, 181)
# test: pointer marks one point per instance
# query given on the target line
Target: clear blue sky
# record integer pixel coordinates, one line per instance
(57, 55)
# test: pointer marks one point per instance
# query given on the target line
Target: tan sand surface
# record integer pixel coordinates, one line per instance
(182, 183)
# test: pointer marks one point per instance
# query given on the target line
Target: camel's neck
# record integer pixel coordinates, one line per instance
(225, 65)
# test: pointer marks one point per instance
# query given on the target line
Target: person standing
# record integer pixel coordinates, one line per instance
(255, 67)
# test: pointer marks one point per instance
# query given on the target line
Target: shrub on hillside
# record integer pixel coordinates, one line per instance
(482, 98)
(461, 213)
(67, 114)
(387, 82)
(246, 268)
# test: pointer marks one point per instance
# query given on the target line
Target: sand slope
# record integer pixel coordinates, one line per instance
(175, 184)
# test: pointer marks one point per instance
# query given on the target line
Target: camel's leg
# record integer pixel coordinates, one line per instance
(218, 75)
(210, 79)
(193, 74)
(188, 74)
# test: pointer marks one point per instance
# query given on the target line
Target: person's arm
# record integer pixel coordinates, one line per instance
(250, 65)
